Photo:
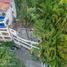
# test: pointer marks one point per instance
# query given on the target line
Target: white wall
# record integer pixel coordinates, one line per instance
(14, 8)
(9, 14)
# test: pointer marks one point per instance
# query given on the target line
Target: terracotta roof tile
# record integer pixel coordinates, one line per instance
(6, 1)
(4, 5)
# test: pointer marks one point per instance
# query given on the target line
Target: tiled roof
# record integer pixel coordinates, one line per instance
(6, 1)
(4, 5)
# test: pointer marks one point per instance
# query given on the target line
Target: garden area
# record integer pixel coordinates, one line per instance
(48, 18)
(8, 56)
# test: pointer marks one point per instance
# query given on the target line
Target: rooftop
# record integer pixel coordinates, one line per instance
(4, 5)
(5, 1)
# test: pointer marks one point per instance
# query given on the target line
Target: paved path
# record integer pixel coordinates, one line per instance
(24, 56)
(25, 33)
(22, 33)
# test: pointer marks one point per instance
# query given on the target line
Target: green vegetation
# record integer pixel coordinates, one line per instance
(49, 18)
(8, 58)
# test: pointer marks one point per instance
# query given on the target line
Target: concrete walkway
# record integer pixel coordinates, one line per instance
(24, 56)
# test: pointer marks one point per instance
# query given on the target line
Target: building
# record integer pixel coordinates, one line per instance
(7, 13)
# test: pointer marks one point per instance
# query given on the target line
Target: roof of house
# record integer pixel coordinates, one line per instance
(5, 1)
(4, 5)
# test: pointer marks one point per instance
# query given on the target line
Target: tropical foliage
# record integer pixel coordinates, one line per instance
(49, 17)
(8, 58)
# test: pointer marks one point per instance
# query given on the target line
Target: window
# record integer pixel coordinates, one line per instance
(2, 18)
(3, 14)
(2, 25)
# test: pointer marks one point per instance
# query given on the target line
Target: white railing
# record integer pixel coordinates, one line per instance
(2, 36)
(22, 42)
